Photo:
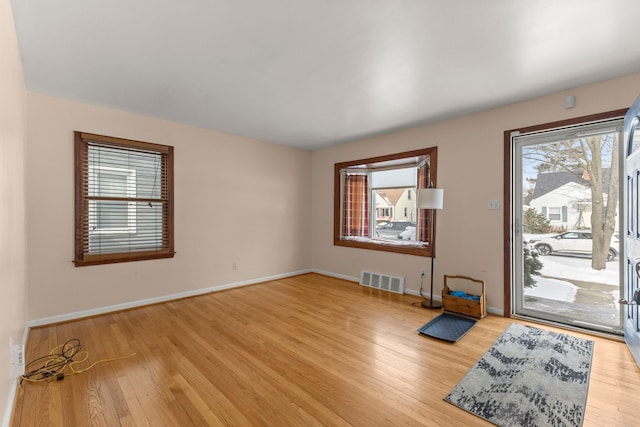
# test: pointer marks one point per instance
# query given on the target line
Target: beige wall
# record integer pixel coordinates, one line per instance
(236, 200)
(470, 170)
(12, 226)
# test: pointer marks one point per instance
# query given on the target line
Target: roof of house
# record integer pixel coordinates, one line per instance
(393, 194)
(549, 181)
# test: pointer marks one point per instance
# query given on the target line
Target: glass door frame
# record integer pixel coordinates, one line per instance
(513, 192)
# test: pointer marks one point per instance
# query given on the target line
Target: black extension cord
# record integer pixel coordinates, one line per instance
(52, 366)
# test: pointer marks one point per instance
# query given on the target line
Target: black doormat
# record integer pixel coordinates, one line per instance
(448, 327)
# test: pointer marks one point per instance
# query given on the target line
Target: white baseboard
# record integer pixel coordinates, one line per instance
(436, 297)
(139, 303)
(8, 410)
(495, 311)
(336, 275)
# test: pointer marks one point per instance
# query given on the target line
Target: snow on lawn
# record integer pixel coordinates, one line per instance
(578, 269)
(574, 268)
(557, 290)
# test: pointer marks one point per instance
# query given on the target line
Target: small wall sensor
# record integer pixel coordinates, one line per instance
(569, 102)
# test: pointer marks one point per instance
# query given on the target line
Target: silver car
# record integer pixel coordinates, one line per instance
(572, 243)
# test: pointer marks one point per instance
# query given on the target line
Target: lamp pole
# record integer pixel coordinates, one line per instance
(432, 199)
(431, 304)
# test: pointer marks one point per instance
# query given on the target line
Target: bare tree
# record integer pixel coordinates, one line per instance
(603, 217)
(587, 157)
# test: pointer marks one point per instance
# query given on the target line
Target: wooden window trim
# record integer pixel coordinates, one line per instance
(81, 140)
(428, 251)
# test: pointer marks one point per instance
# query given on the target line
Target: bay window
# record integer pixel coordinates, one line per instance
(374, 207)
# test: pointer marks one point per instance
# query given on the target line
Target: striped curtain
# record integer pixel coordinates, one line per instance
(424, 215)
(356, 205)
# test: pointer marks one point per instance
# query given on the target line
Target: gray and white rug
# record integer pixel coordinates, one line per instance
(529, 377)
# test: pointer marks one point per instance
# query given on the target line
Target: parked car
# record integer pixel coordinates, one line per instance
(393, 229)
(575, 242)
(409, 233)
(397, 225)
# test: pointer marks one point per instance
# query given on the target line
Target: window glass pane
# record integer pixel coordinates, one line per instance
(118, 172)
(395, 214)
(109, 215)
(555, 214)
(115, 233)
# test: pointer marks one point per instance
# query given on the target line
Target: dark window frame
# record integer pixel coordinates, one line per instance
(400, 158)
(83, 200)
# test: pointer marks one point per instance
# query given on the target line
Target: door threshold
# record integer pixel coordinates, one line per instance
(578, 326)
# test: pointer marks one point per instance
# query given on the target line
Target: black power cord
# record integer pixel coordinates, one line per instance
(45, 368)
(53, 365)
(419, 303)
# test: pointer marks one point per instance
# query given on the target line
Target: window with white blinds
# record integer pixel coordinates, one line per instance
(124, 200)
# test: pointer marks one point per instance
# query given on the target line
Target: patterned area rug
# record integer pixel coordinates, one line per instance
(529, 377)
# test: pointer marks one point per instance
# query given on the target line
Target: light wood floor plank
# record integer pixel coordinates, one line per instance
(301, 351)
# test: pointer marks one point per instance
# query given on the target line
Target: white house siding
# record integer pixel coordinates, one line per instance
(409, 204)
(382, 203)
(567, 198)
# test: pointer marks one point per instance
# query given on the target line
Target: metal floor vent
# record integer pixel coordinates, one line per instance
(382, 281)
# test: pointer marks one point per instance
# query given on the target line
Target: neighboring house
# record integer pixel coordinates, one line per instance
(564, 198)
(384, 208)
(406, 206)
(402, 201)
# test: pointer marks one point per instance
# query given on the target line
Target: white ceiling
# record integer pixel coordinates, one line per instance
(313, 73)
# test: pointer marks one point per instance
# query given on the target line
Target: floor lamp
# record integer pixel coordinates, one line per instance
(431, 198)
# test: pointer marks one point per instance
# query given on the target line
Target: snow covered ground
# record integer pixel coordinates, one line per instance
(579, 268)
(553, 289)
(576, 268)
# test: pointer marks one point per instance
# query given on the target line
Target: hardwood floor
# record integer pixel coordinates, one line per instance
(308, 350)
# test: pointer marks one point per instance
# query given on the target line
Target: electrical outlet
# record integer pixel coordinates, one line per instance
(423, 272)
(17, 360)
(234, 266)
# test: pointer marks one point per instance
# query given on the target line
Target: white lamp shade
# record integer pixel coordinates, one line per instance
(430, 198)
